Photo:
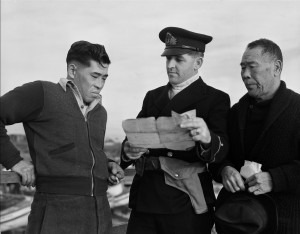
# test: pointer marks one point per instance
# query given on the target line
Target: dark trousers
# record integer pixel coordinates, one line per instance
(69, 214)
(186, 222)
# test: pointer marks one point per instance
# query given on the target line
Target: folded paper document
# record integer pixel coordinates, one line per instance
(163, 132)
(250, 168)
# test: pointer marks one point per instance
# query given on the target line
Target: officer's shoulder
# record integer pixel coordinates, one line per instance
(157, 90)
(215, 91)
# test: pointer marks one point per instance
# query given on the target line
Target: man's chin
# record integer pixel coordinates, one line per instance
(253, 94)
(173, 79)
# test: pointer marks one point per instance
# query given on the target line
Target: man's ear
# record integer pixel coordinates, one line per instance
(71, 70)
(277, 67)
(198, 63)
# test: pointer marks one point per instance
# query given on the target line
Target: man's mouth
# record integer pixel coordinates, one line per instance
(97, 94)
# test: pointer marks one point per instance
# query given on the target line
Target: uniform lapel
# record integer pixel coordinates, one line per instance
(161, 101)
(187, 97)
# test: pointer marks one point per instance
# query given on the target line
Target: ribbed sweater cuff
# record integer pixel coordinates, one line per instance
(15, 159)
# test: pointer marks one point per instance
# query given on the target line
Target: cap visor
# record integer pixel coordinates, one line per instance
(175, 51)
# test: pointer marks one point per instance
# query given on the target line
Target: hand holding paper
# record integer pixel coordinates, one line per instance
(250, 168)
(164, 132)
(259, 182)
(132, 152)
(198, 129)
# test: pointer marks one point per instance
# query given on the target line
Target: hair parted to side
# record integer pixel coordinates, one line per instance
(84, 51)
(267, 46)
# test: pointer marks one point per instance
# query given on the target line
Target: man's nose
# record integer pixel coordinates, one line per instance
(170, 63)
(245, 73)
(99, 83)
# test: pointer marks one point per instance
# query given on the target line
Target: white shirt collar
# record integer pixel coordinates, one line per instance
(175, 89)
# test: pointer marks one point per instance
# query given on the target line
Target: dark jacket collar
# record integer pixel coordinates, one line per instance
(279, 103)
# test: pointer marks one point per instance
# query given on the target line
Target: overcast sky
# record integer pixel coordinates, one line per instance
(36, 35)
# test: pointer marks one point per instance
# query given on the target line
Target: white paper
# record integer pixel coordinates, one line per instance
(163, 132)
(250, 168)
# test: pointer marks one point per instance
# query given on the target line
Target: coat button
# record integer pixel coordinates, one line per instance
(176, 175)
(169, 154)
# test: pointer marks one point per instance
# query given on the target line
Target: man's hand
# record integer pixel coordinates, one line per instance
(198, 129)
(232, 179)
(26, 170)
(132, 152)
(115, 173)
(260, 183)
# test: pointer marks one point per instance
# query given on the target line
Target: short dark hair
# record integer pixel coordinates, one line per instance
(267, 46)
(84, 51)
(196, 54)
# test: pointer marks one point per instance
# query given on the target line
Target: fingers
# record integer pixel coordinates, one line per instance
(254, 188)
(114, 168)
(232, 180)
(116, 173)
(133, 152)
(193, 123)
(112, 180)
(260, 183)
(234, 185)
(32, 180)
(28, 178)
(26, 170)
(198, 129)
(115, 179)
(24, 179)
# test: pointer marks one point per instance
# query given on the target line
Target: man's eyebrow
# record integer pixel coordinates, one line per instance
(98, 73)
(248, 63)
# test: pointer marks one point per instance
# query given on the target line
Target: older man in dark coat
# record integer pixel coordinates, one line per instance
(264, 127)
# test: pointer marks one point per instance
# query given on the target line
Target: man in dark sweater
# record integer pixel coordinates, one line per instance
(264, 127)
(65, 126)
(172, 190)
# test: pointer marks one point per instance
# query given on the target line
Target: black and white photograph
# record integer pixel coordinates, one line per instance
(150, 117)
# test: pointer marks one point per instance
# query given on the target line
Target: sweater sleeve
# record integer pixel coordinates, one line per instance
(22, 104)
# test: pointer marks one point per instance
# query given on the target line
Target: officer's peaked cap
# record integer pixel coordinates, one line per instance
(180, 41)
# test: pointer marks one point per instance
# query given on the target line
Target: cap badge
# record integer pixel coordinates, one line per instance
(170, 40)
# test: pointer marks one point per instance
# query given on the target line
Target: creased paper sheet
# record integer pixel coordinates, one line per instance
(163, 132)
(250, 168)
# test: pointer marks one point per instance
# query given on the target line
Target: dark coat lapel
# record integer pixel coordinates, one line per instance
(187, 97)
(161, 101)
(279, 103)
(242, 113)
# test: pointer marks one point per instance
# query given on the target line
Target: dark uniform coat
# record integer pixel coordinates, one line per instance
(149, 193)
